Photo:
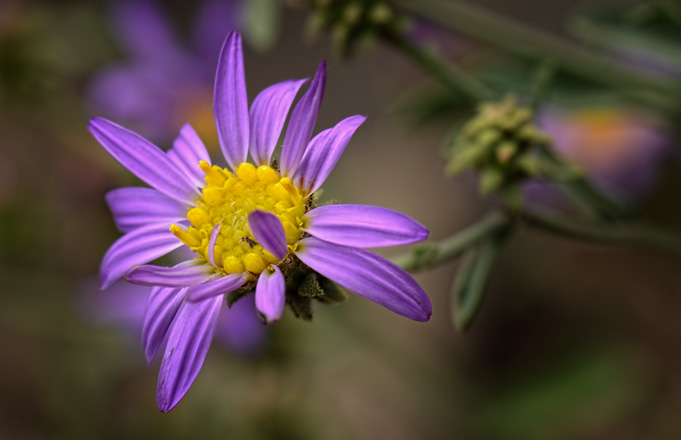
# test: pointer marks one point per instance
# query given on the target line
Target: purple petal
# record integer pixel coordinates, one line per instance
(190, 336)
(269, 232)
(270, 297)
(240, 329)
(144, 160)
(162, 306)
(216, 287)
(211, 243)
(318, 143)
(136, 247)
(231, 102)
(369, 275)
(185, 274)
(302, 122)
(188, 150)
(363, 226)
(136, 207)
(268, 114)
(324, 151)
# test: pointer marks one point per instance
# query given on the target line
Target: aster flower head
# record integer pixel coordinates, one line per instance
(253, 227)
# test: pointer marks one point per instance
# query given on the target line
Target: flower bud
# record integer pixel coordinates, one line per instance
(500, 143)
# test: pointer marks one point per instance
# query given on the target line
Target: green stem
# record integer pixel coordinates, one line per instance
(522, 40)
(638, 235)
(453, 246)
(452, 76)
(580, 190)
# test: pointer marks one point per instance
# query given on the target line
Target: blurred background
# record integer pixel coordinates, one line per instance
(574, 341)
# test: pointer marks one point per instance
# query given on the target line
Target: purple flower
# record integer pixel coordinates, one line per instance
(250, 227)
(163, 83)
(619, 149)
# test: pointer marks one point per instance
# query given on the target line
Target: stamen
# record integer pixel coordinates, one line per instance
(213, 174)
(184, 236)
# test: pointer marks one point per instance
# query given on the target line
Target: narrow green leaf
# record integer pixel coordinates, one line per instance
(470, 284)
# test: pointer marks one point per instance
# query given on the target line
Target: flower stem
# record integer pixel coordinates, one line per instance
(452, 76)
(582, 192)
(433, 255)
(631, 234)
(453, 246)
(523, 40)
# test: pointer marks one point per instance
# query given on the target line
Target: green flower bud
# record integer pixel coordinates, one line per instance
(502, 144)
(381, 14)
(353, 21)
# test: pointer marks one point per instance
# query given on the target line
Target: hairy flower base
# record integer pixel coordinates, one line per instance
(228, 200)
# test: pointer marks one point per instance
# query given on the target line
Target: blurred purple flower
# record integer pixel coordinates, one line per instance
(122, 305)
(239, 330)
(443, 41)
(618, 148)
(161, 83)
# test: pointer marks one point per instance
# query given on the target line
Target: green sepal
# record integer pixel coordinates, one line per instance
(491, 178)
(532, 135)
(237, 294)
(322, 289)
(488, 136)
(473, 155)
(463, 161)
(531, 165)
(333, 293)
(310, 286)
(301, 306)
(304, 285)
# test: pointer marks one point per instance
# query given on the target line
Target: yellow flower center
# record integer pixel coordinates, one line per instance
(228, 199)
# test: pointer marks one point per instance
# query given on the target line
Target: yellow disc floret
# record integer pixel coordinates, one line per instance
(228, 199)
